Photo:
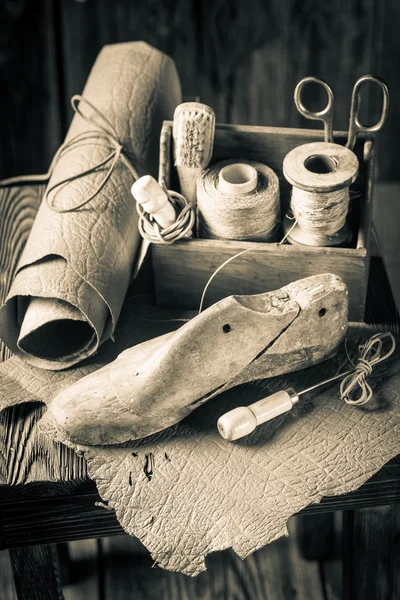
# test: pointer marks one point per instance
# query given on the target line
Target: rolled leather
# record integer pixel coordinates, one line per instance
(73, 275)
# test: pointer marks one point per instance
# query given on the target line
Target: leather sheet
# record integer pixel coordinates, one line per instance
(186, 492)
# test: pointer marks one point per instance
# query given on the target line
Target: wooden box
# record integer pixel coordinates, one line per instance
(182, 270)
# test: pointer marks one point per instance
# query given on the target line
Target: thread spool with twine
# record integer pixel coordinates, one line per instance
(321, 174)
(239, 201)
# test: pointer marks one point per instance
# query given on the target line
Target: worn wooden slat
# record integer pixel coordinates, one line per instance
(396, 588)
(331, 568)
(24, 454)
(306, 575)
(7, 587)
(31, 131)
(380, 304)
(83, 583)
(172, 27)
(275, 572)
(385, 57)
(30, 123)
(386, 219)
(52, 512)
(36, 573)
(127, 574)
(309, 43)
(368, 554)
(315, 535)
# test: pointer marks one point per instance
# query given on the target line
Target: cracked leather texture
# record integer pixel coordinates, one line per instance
(85, 257)
(207, 494)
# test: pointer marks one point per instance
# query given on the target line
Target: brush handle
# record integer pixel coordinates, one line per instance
(188, 177)
(193, 134)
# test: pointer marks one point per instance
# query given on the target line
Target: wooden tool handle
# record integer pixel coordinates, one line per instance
(241, 421)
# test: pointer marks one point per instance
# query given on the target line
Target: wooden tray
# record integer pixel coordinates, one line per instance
(181, 271)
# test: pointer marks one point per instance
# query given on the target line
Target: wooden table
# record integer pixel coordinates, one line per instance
(47, 498)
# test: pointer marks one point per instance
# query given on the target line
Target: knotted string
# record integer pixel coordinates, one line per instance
(370, 355)
(105, 136)
(151, 231)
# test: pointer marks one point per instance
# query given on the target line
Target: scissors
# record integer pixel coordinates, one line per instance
(326, 115)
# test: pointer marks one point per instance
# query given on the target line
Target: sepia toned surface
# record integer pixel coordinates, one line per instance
(47, 49)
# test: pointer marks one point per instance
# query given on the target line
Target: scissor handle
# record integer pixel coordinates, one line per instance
(325, 115)
(355, 127)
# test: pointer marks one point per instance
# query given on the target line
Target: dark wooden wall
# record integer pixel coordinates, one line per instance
(243, 57)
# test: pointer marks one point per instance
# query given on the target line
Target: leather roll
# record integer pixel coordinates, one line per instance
(73, 275)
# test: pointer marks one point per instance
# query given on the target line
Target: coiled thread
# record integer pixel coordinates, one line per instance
(370, 355)
(151, 231)
(252, 216)
(320, 213)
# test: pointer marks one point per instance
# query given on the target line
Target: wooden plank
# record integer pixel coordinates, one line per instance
(172, 27)
(384, 51)
(83, 584)
(30, 126)
(396, 589)
(386, 217)
(380, 307)
(182, 270)
(32, 129)
(36, 573)
(331, 568)
(275, 571)
(315, 535)
(306, 576)
(128, 574)
(7, 587)
(263, 82)
(368, 556)
(52, 512)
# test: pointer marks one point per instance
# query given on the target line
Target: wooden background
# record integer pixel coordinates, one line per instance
(243, 57)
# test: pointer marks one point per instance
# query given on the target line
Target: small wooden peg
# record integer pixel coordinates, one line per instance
(154, 200)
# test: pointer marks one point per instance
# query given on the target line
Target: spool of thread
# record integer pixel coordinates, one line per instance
(239, 201)
(321, 174)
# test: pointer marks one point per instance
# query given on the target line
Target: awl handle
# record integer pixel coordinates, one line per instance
(241, 421)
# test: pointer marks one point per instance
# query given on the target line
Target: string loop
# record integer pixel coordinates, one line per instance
(105, 136)
(370, 355)
(151, 231)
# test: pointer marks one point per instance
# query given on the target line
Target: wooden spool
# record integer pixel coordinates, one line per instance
(319, 167)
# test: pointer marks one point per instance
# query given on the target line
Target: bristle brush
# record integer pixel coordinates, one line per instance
(193, 133)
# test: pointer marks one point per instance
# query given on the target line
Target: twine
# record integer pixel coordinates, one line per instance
(253, 216)
(105, 136)
(320, 213)
(370, 355)
(151, 231)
